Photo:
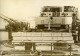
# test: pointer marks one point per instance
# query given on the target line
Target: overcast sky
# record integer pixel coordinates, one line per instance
(24, 9)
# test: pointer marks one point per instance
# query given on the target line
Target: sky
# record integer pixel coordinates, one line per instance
(25, 10)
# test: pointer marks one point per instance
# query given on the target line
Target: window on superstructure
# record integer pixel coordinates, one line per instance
(45, 9)
(68, 9)
(55, 9)
(52, 9)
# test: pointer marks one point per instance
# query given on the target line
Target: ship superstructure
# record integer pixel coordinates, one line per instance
(56, 18)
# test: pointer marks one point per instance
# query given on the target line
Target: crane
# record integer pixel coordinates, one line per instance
(13, 24)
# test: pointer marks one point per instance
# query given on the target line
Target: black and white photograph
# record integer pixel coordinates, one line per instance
(39, 27)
